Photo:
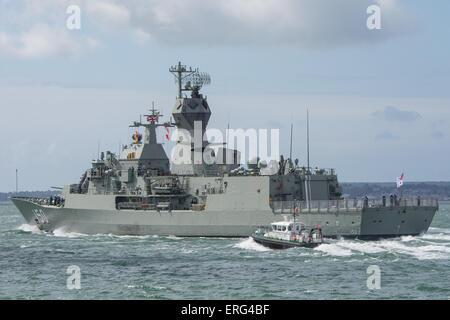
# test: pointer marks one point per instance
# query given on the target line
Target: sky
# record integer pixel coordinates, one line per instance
(378, 99)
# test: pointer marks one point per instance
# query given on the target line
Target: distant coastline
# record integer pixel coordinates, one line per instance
(351, 190)
(357, 190)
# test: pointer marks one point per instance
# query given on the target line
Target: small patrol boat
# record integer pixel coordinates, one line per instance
(288, 234)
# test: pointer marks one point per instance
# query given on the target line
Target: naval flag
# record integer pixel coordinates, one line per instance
(400, 181)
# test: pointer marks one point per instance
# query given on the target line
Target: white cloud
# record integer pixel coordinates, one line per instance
(42, 41)
(37, 28)
(300, 23)
(108, 14)
(141, 36)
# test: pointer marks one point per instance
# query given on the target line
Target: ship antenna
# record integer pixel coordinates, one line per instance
(290, 151)
(308, 172)
(17, 182)
(307, 137)
(178, 71)
(192, 79)
(295, 207)
(228, 133)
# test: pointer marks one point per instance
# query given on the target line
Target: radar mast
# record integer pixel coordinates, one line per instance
(192, 79)
(151, 125)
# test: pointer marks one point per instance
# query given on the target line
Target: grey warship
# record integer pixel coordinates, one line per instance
(140, 192)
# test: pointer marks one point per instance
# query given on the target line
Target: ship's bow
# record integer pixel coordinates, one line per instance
(27, 208)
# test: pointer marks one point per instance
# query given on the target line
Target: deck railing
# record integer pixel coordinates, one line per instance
(349, 205)
(305, 206)
(57, 202)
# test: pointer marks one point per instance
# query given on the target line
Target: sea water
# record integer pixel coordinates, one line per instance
(39, 265)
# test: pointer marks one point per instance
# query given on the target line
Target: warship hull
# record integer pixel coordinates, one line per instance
(363, 223)
(204, 193)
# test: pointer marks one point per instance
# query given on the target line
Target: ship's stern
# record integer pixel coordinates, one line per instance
(396, 221)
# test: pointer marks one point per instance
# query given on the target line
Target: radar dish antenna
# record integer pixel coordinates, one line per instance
(197, 79)
(189, 79)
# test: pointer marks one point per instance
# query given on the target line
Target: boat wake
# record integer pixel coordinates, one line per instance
(435, 244)
(334, 250)
(62, 233)
(250, 244)
(431, 245)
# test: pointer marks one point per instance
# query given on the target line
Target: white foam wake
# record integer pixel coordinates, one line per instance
(250, 244)
(407, 245)
(334, 249)
(61, 232)
(362, 247)
(421, 252)
(29, 228)
(436, 236)
(126, 236)
(174, 237)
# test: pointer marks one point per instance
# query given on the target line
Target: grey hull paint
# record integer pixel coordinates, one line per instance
(363, 223)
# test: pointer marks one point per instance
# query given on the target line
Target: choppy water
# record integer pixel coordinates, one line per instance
(33, 265)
